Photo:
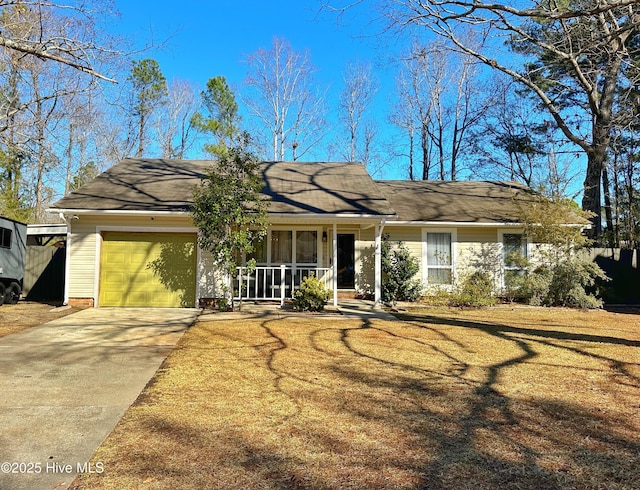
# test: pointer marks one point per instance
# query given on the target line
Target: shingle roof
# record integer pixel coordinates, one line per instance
(333, 188)
(463, 201)
(155, 185)
(139, 185)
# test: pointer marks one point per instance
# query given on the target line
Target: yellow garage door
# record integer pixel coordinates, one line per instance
(148, 269)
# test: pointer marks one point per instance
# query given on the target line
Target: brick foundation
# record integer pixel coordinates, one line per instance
(81, 302)
(211, 303)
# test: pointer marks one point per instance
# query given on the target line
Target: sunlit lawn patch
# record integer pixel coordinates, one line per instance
(526, 398)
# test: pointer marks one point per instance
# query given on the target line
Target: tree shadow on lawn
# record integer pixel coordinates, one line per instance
(468, 434)
(494, 440)
(543, 337)
(375, 404)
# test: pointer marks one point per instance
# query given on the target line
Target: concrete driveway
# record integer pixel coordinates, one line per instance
(65, 384)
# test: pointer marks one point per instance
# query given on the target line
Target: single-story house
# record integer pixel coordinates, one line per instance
(131, 241)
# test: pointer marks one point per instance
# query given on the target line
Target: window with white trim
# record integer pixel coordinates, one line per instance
(306, 247)
(286, 246)
(514, 251)
(439, 258)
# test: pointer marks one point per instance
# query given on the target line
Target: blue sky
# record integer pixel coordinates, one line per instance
(208, 38)
(202, 39)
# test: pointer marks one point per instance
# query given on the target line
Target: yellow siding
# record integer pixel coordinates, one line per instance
(82, 263)
(477, 249)
(365, 266)
(477, 235)
(411, 237)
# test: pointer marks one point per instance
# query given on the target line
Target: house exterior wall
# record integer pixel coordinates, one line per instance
(478, 248)
(82, 260)
(474, 247)
(365, 267)
(210, 280)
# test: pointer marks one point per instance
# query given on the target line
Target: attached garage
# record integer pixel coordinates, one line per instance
(148, 269)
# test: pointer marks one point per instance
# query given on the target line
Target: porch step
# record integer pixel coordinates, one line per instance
(352, 294)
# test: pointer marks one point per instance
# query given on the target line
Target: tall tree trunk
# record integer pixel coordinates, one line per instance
(40, 153)
(591, 199)
(617, 198)
(607, 206)
(140, 150)
(424, 141)
(630, 189)
(441, 151)
(596, 158)
(411, 174)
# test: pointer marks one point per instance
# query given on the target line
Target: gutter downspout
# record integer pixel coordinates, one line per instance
(334, 255)
(378, 264)
(67, 259)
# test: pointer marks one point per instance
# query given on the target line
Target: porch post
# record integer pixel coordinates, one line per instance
(378, 265)
(283, 282)
(334, 261)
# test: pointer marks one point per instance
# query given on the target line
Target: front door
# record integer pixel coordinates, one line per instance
(346, 260)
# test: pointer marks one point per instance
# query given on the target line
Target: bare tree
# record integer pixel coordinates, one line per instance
(56, 32)
(32, 126)
(575, 59)
(74, 46)
(414, 111)
(357, 95)
(440, 98)
(282, 96)
(176, 134)
(402, 117)
(79, 129)
(511, 142)
(52, 54)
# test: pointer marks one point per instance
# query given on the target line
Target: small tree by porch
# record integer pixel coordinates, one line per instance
(229, 211)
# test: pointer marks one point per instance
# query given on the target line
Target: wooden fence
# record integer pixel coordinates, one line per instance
(44, 273)
(621, 265)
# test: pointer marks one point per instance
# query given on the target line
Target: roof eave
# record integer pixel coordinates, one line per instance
(117, 212)
(323, 217)
(512, 224)
(285, 216)
(454, 223)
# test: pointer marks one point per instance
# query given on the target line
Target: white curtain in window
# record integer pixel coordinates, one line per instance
(439, 249)
(281, 246)
(439, 260)
(306, 247)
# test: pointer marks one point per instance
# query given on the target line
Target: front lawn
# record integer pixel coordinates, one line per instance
(27, 314)
(441, 398)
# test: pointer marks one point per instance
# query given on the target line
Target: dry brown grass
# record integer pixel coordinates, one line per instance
(498, 398)
(27, 314)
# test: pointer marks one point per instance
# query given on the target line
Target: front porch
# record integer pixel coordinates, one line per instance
(345, 258)
(275, 283)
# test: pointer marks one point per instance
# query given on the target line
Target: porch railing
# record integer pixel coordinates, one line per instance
(274, 283)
